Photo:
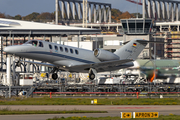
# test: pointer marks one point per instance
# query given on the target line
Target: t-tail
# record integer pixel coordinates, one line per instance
(132, 49)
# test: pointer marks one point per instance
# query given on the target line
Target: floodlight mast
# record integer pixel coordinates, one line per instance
(56, 6)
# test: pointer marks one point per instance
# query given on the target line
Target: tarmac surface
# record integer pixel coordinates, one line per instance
(113, 110)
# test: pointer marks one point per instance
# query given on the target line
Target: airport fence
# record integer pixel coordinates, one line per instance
(112, 94)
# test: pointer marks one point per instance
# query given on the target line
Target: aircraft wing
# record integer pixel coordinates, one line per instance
(39, 63)
(47, 65)
(110, 63)
(101, 66)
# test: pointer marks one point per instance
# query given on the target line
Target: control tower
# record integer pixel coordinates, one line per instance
(136, 26)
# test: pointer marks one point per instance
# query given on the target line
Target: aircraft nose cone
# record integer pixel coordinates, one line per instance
(9, 49)
(6, 49)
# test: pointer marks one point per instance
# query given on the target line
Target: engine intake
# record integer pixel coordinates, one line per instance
(104, 55)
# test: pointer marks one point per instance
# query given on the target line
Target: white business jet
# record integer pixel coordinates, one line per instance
(73, 59)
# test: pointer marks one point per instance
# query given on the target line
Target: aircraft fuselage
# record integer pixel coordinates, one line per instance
(57, 54)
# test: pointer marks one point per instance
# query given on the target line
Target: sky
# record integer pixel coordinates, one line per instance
(25, 7)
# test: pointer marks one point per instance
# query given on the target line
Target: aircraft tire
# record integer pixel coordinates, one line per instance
(91, 76)
(54, 76)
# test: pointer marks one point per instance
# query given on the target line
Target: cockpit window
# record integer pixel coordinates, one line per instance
(40, 44)
(33, 42)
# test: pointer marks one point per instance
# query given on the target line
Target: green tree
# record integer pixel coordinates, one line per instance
(17, 17)
(31, 17)
(8, 17)
(139, 15)
(115, 13)
(126, 15)
(2, 15)
(45, 17)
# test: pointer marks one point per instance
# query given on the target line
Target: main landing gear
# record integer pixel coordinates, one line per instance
(54, 75)
(92, 73)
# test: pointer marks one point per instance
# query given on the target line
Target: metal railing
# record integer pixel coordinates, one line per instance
(137, 30)
(135, 94)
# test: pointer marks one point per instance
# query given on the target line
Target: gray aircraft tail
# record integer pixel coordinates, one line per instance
(132, 49)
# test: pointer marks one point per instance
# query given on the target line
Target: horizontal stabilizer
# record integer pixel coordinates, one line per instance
(145, 41)
(159, 42)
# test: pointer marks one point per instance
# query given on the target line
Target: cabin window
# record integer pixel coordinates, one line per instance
(66, 49)
(61, 49)
(56, 48)
(77, 52)
(71, 50)
(40, 44)
(50, 46)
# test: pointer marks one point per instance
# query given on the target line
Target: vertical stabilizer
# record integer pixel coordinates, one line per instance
(131, 50)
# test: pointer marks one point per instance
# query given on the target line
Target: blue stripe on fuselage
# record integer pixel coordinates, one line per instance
(60, 55)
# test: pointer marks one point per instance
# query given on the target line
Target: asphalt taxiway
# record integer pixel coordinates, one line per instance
(113, 110)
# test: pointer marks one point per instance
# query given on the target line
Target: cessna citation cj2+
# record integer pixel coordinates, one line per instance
(73, 59)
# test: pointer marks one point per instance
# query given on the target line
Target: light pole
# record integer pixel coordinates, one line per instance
(56, 14)
(137, 10)
(155, 57)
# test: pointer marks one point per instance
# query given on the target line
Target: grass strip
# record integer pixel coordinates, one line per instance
(161, 117)
(87, 101)
(17, 112)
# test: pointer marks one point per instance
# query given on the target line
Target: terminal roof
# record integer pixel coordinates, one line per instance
(21, 28)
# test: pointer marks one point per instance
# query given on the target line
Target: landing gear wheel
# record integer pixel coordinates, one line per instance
(54, 76)
(91, 76)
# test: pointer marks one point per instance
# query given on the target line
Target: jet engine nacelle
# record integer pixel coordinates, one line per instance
(104, 55)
